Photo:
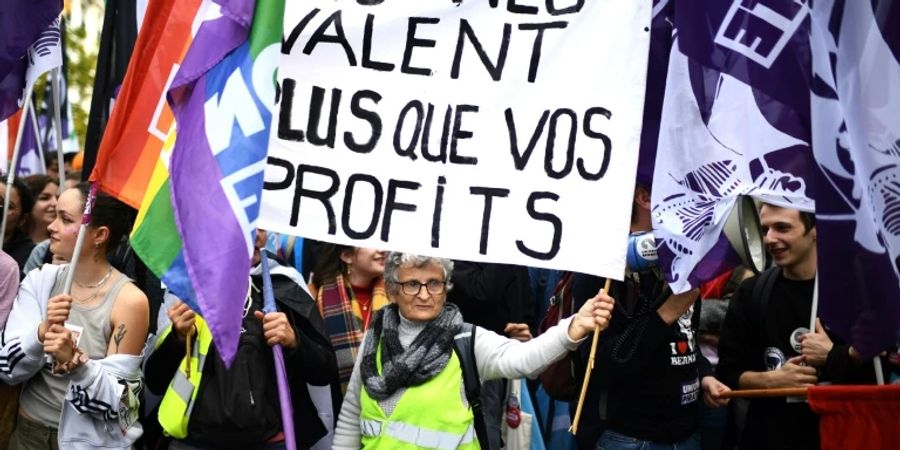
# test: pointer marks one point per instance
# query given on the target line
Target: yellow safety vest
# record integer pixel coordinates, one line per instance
(431, 415)
(178, 402)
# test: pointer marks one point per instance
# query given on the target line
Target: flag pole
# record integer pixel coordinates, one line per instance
(57, 121)
(12, 163)
(587, 371)
(79, 241)
(37, 137)
(284, 390)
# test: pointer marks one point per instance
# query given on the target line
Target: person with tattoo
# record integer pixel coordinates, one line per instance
(78, 354)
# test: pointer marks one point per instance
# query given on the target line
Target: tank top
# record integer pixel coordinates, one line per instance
(43, 396)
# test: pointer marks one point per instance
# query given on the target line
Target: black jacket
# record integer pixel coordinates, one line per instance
(222, 403)
(648, 371)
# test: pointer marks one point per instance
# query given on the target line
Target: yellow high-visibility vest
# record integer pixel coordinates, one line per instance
(431, 415)
(178, 402)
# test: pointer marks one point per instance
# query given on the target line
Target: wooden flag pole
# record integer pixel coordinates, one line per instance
(587, 371)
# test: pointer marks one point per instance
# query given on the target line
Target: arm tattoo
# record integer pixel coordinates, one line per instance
(120, 334)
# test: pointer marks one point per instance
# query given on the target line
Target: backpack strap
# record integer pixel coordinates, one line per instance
(464, 345)
(762, 291)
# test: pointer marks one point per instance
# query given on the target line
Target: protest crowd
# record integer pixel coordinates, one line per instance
(359, 235)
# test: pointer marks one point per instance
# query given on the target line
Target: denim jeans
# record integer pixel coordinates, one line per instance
(611, 440)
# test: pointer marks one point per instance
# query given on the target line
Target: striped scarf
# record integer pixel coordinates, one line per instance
(343, 321)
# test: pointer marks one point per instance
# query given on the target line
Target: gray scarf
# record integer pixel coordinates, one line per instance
(425, 357)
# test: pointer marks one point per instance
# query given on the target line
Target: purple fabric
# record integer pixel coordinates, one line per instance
(657, 65)
(11, 88)
(739, 124)
(857, 137)
(21, 21)
(216, 244)
(701, 20)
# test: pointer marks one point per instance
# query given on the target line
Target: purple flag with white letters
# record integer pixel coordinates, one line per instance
(735, 121)
(222, 98)
(21, 24)
(856, 137)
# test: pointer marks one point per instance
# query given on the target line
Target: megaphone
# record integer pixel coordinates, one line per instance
(743, 231)
(641, 254)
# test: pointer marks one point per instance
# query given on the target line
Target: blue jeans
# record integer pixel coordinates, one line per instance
(610, 440)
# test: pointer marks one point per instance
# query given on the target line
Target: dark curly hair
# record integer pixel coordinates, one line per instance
(111, 213)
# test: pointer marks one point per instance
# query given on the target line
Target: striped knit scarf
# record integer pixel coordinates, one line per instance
(425, 357)
(343, 321)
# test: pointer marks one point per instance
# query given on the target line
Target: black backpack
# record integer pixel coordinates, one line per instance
(464, 345)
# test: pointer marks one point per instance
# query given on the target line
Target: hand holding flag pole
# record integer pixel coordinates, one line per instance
(284, 390)
(587, 371)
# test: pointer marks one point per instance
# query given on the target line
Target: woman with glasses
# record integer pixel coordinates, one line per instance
(348, 288)
(406, 390)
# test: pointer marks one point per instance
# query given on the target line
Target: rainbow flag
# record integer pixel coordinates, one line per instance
(223, 97)
(141, 118)
(155, 237)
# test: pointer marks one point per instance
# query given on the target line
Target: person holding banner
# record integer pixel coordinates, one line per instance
(16, 242)
(406, 390)
(217, 407)
(348, 286)
(87, 396)
(766, 341)
(651, 374)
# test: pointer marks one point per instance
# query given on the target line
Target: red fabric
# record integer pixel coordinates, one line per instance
(715, 288)
(864, 417)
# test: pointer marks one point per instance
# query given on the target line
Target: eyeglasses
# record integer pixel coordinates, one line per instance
(412, 287)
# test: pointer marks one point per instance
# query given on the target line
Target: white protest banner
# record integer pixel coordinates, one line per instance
(479, 131)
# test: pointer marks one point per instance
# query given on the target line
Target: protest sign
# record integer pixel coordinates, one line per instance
(478, 131)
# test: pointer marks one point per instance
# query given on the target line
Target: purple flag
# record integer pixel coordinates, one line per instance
(856, 137)
(31, 158)
(21, 22)
(222, 98)
(657, 66)
(734, 122)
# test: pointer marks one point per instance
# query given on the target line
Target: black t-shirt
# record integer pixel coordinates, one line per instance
(748, 345)
(649, 370)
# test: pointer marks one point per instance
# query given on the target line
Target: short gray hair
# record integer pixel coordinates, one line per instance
(396, 260)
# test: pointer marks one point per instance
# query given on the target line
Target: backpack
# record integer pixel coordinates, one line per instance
(464, 345)
(560, 379)
(762, 290)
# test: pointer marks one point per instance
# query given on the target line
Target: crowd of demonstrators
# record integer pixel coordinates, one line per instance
(86, 394)
(369, 337)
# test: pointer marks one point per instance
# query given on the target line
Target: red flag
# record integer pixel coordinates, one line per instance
(141, 117)
(857, 416)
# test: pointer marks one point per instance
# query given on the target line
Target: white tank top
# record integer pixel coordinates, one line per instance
(43, 395)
